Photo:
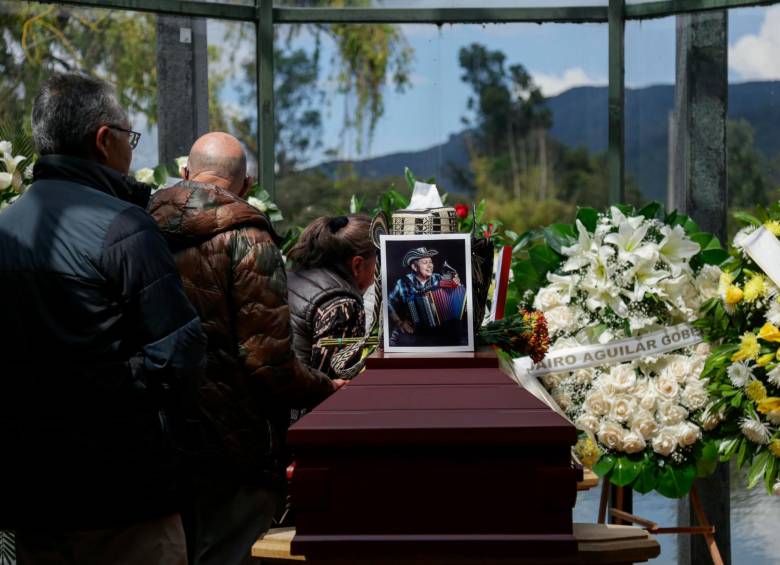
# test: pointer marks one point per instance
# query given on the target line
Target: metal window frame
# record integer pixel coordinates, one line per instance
(264, 15)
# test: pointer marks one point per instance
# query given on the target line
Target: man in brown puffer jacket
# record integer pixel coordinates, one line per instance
(233, 273)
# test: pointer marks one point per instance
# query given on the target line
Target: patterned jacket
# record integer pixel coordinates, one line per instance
(234, 275)
(325, 304)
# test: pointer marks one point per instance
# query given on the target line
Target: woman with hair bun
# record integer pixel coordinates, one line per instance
(333, 265)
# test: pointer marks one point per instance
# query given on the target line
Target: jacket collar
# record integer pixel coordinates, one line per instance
(93, 175)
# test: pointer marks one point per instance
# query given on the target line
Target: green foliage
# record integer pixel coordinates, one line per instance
(37, 39)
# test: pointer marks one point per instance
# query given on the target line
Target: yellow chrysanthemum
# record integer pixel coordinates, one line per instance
(755, 288)
(587, 451)
(755, 391)
(769, 332)
(733, 294)
(773, 226)
(748, 348)
(769, 404)
(774, 447)
(765, 360)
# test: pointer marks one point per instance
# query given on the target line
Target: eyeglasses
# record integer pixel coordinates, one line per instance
(135, 137)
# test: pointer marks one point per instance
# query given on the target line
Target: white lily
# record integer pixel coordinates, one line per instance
(580, 253)
(628, 240)
(646, 278)
(676, 249)
(5, 180)
(619, 218)
(599, 285)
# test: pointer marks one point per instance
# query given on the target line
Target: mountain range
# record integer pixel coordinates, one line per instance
(580, 120)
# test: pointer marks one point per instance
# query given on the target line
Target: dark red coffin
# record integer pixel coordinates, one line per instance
(433, 457)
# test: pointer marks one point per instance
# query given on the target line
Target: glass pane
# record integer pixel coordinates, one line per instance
(121, 47)
(438, 3)
(116, 45)
(650, 76)
(450, 121)
(753, 142)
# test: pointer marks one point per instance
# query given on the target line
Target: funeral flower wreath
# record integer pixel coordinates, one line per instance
(744, 369)
(619, 291)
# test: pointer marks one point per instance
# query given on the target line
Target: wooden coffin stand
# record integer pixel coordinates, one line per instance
(434, 459)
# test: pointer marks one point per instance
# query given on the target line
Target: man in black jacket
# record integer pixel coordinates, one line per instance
(99, 342)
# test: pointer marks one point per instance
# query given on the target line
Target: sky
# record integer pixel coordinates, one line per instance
(559, 57)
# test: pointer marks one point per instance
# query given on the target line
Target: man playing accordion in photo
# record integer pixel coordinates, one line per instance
(427, 308)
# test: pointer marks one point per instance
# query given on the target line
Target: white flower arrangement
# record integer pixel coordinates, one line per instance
(624, 275)
(13, 176)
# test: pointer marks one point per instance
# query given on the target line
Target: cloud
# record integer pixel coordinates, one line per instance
(552, 85)
(757, 56)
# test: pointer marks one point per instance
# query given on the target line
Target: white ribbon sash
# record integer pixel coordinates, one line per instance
(581, 357)
(764, 248)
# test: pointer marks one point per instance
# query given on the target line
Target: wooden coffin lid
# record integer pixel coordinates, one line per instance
(432, 406)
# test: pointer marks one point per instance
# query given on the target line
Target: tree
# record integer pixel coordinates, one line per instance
(36, 40)
(749, 183)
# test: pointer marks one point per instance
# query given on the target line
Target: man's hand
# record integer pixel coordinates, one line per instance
(338, 383)
(406, 327)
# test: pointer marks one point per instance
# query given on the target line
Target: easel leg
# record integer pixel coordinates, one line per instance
(603, 501)
(703, 521)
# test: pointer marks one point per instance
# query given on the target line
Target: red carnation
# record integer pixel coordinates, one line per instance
(462, 210)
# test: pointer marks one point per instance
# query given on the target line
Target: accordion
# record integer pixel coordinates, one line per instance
(433, 220)
(436, 307)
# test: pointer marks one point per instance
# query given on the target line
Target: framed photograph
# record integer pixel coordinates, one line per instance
(426, 293)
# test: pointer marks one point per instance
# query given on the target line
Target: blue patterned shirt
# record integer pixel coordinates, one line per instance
(409, 300)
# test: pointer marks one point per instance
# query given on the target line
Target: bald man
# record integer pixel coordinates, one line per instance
(233, 273)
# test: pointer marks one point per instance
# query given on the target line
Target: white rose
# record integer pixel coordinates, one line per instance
(561, 319)
(677, 368)
(696, 367)
(703, 349)
(6, 147)
(711, 419)
(645, 425)
(667, 386)
(623, 376)
(694, 396)
(622, 406)
(611, 434)
(596, 403)
(553, 380)
(548, 298)
(665, 442)
(649, 399)
(687, 434)
(562, 398)
(145, 175)
(671, 414)
(583, 376)
(633, 442)
(587, 423)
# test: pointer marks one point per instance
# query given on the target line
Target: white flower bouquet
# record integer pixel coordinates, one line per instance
(15, 171)
(611, 286)
(744, 370)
